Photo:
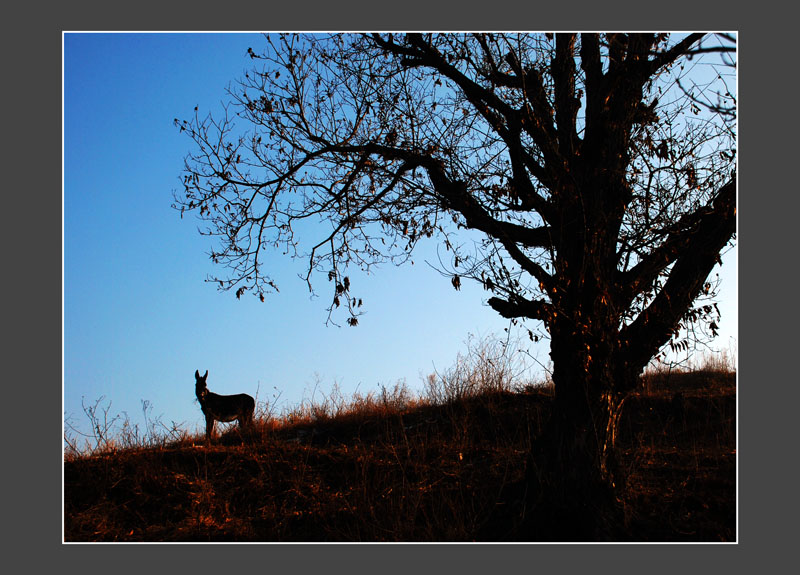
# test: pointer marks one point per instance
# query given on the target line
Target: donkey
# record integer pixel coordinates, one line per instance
(223, 407)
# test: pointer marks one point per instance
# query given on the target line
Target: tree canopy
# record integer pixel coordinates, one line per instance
(537, 141)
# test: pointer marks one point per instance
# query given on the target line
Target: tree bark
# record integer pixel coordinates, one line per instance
(572, 471)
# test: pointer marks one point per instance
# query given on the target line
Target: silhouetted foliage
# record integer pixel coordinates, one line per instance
(603, 191)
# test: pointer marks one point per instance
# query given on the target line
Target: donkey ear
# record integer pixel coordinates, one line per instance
(206, 375)
(196, 374)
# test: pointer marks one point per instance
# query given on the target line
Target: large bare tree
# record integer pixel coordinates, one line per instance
(598, 170)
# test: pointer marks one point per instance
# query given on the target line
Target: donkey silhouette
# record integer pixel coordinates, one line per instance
(223, 407)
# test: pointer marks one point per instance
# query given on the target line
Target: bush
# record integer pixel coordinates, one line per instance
(490, 365)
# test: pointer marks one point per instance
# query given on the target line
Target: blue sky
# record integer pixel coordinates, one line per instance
(139, 317)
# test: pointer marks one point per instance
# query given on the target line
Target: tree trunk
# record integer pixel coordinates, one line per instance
(572, 470)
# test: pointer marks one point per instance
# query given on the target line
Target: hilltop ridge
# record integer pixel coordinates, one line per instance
(396, 468)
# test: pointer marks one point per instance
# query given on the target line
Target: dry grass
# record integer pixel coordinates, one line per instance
(390, 466)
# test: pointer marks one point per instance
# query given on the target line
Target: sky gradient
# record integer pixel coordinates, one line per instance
(139, 318)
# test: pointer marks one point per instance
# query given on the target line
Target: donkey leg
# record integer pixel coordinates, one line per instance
(209, 427)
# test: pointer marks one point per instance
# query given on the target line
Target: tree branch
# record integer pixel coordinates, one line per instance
(566, 104)
(518, 306)
(640, 277)
(678, 50)
(655, 324)
(488, 104)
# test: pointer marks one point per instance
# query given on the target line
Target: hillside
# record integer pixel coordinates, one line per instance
(394, 468)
